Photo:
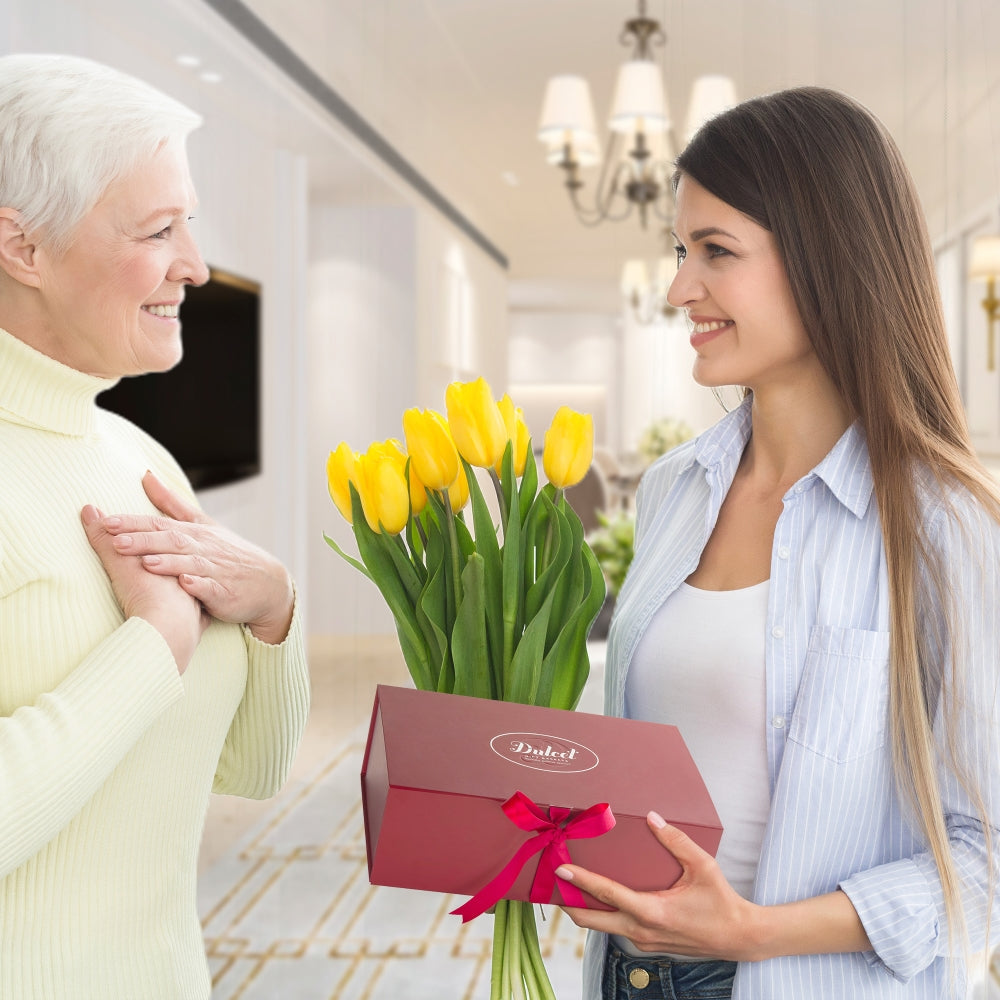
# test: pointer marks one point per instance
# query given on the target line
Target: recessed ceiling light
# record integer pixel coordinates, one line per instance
(189, 61)
(210, 76)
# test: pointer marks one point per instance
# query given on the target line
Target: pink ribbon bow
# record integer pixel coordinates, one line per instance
(554, 830)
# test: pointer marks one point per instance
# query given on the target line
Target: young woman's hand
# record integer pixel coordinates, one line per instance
(702, 916)
(234, 580)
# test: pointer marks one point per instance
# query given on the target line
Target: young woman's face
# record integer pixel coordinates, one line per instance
(731, 281)
(113, 298)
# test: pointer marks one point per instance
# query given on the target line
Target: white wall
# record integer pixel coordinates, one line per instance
(353, 322)
(362, 375)
(400, 304)
(566, 358)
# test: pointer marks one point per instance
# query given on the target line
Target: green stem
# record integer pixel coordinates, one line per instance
(533, 952)
(512, 951)
(456, 566)
(501, 500)
(499, 949)
(529, 969)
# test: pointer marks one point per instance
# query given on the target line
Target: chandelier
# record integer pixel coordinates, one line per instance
(644, 289)
(637, 170)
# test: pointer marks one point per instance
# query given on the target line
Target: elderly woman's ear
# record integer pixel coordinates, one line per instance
(18, 252)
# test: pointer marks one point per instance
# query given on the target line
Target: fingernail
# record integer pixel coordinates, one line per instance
(112, 522)
(151, 560)
(564, 873)
(655, 819)
(89, 514)
(123, 541)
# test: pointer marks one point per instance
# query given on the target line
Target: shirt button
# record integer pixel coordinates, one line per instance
(778, 632)
(800, 488)
(778, 722)
(783, 552)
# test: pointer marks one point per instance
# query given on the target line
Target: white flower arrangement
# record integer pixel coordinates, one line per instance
(662, 435)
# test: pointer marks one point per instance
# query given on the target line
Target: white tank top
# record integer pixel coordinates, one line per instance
(700, 667)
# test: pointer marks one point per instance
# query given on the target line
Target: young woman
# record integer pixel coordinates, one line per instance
(815, 591)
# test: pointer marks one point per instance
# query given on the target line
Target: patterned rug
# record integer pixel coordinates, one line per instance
(288, 913)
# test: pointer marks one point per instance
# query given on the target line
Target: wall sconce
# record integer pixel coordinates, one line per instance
(985, 266)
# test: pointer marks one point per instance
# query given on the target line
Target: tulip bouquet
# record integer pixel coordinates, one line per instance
(496, 609)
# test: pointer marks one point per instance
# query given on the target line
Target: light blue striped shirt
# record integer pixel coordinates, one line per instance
(835, 818)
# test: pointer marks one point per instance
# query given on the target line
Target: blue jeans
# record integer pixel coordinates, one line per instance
(653, 978)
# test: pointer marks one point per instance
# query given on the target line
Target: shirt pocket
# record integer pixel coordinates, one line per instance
(842, 706)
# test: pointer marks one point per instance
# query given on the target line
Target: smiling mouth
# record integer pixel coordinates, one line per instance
(163, 312)
(715, 324)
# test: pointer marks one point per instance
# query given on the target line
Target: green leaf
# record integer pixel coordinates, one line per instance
(382, 570)
(404, 566)
(529, 484)
(526, 666)
(360, 566)
(556, 551)
(508, 481)
(513, 594)
(488, 548)
(569, 585)
(567, 663)
(432, 606)
(468, 640)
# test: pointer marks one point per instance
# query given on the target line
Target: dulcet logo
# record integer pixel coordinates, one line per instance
(541, 752)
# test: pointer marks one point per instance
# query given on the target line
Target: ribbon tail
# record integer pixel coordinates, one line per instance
(495, 890)
(556, 854)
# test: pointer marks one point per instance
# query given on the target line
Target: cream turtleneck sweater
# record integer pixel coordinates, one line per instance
(107, 755)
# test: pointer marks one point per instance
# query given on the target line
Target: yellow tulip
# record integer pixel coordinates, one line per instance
(458, 492)
(418, 492)
(517, 432)
(385, 494)
(569, 447)
(476, 424)
(341, 471)
(433, 456)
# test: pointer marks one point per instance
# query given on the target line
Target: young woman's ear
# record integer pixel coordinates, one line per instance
(18, 253)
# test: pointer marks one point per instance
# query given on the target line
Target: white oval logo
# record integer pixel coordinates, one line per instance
(541, 752)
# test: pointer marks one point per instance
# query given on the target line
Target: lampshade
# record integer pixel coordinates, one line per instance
(586, 148)
(710, 95)
(567, 108)
(639, 99)
(985, 262)
(635, 278)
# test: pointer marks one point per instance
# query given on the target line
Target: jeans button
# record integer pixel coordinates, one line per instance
(639, 978)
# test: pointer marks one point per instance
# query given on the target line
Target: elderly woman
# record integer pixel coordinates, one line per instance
(147, 655)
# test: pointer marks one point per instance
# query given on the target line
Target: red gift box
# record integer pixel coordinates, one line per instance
(439, 779)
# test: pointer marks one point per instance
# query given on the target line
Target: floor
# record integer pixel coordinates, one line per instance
(286, 906)
(287, 910)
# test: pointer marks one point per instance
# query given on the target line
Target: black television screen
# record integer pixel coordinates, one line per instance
(206, 410)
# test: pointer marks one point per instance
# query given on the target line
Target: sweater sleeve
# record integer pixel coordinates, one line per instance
(266, 731)
(901, 904)
(57, 752)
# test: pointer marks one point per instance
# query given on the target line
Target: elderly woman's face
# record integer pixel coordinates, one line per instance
(113, 298)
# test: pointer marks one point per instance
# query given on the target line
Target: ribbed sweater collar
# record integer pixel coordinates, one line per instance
(38, 391)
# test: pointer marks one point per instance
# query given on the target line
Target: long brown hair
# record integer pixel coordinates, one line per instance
(822, 174)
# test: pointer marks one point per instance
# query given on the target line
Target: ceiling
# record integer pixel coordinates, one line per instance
(455, 86)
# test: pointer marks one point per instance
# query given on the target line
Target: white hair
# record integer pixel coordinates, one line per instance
(69, 127)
